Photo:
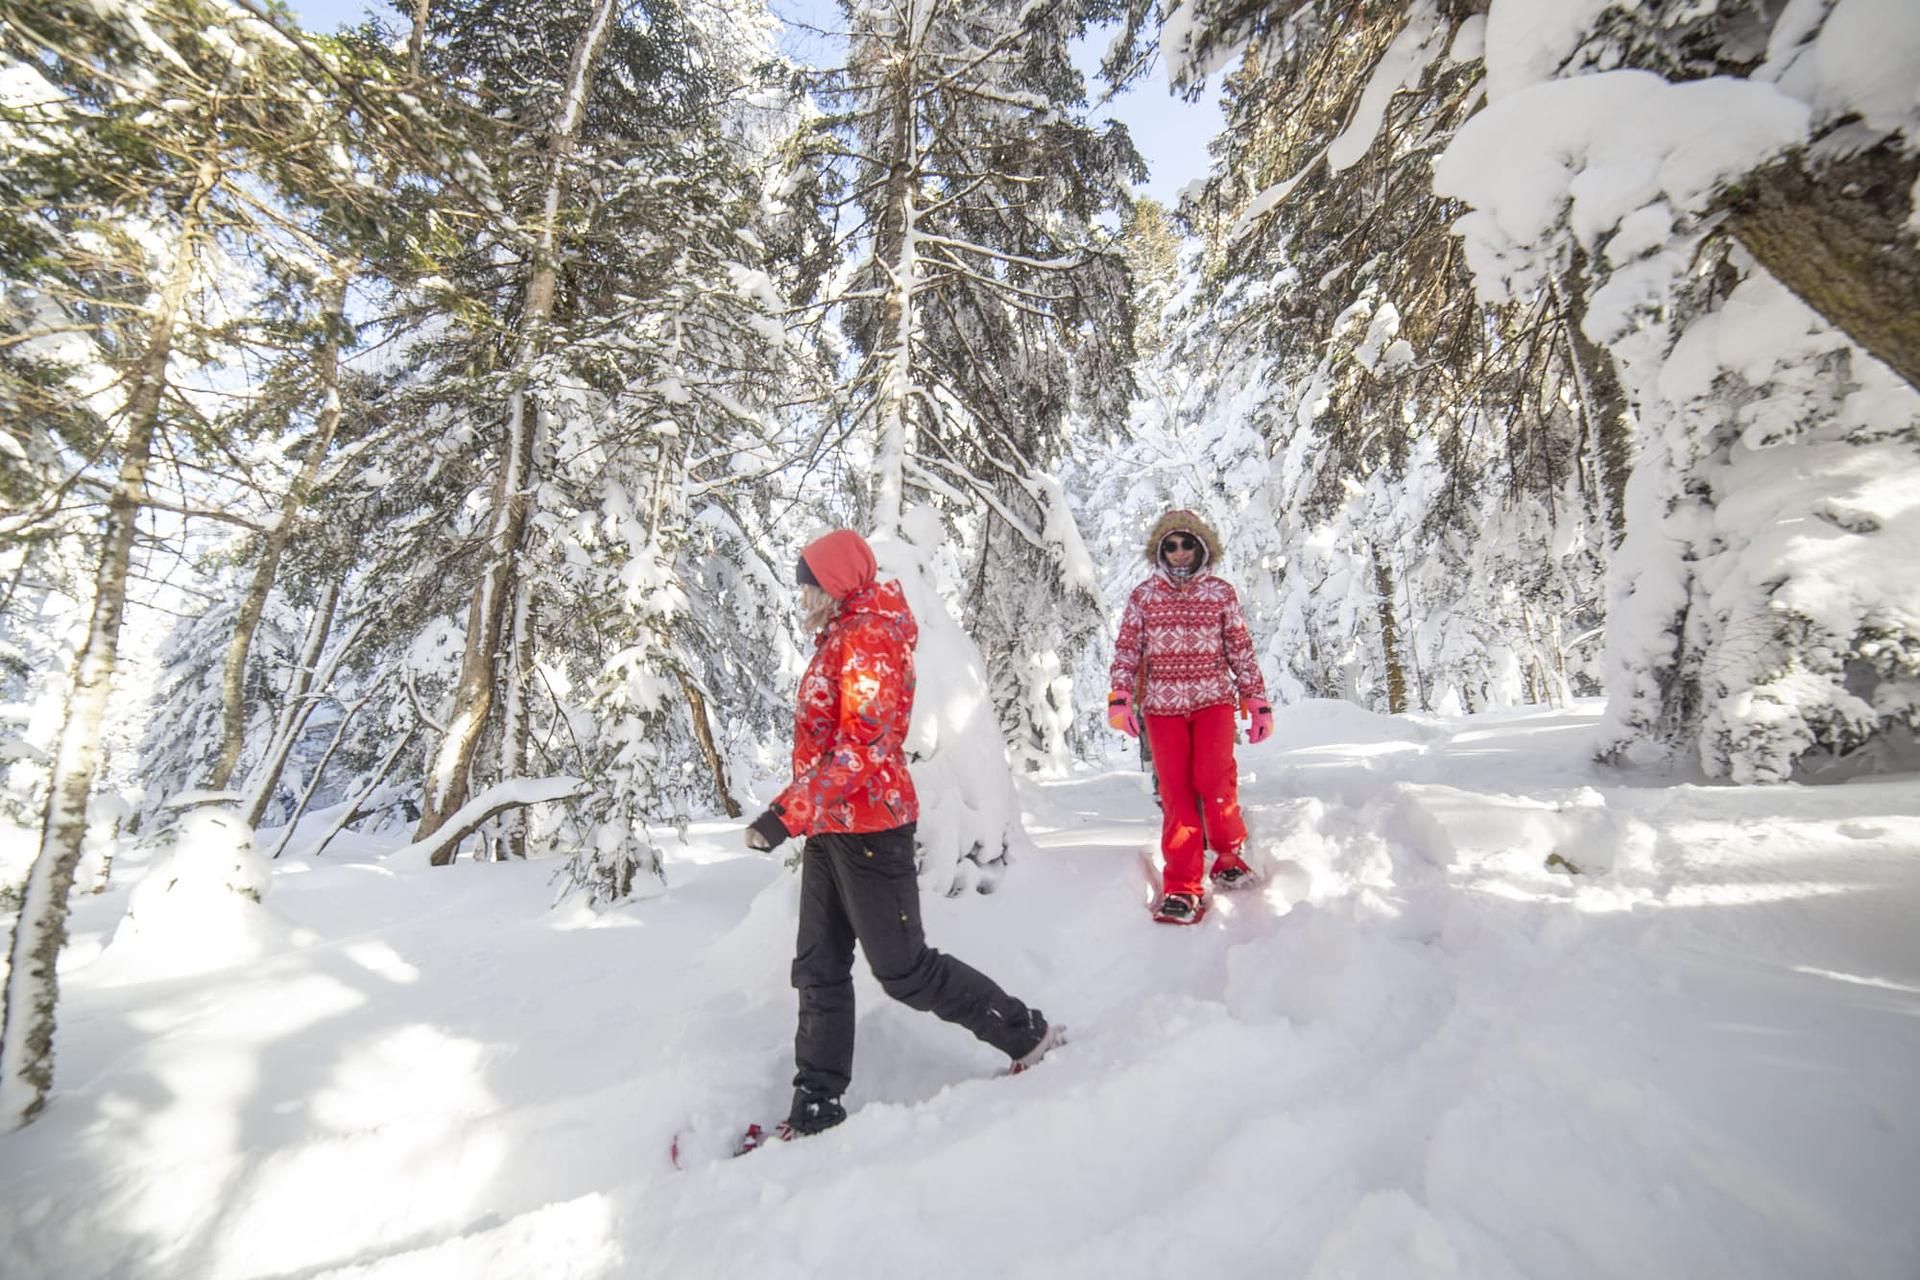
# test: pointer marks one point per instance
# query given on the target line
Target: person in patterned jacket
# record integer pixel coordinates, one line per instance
(852, 797)
(1183, 643)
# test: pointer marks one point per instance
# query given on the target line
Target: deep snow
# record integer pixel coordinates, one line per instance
(1418, 1050)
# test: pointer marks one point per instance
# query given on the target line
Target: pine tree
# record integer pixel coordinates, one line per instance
(127, 192)
(573, 44)
(1337, 393)
(614, 393)
(989, 311)
(1730, 638)
(236, 698)
(981, 297)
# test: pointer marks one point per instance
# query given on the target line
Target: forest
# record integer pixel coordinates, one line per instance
(410, 430)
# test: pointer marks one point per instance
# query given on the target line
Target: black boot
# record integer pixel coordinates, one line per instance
(813, 1113)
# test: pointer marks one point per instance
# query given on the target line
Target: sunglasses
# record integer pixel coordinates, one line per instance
(1180, 542)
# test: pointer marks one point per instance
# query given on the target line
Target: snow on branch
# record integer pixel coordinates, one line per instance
(953, 270)
(1033, 102)
(987, 496)
(1065, 263)
(516, 793)
(1272, 197)
(968, 186)
(1400, 67)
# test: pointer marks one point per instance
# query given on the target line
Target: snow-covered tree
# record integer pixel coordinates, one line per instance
(988, 308)
(1758, 619)
(1335, 395)
(142, 129)
(587, 346)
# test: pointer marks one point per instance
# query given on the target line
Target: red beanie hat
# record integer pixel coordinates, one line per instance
(841, 562)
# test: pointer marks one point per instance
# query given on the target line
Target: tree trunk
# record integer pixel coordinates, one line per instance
(1603, 400)
(233, 677)
(1413, 649)
(306, 677)
(417, 39)
(450, 766)
(1389, 635)
(1837, 237)
(894, 406)
(517, 741)
(32, 990)
(703, 734)
(1534, 669)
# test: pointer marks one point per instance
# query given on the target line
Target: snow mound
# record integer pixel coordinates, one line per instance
(1321, 722)
(969, 809)
(199, 908)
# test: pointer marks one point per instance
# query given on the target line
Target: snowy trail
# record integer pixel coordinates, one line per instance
(1415, 1050)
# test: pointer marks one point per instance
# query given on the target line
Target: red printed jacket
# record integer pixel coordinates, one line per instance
(850, 728)
(1189, 640)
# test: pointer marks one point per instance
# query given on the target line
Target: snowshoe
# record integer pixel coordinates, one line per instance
(810, 1115)
(755, 1137)
(1232, 876)
(1181, 908)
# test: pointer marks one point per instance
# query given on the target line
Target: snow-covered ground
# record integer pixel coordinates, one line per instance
(1418, 1050)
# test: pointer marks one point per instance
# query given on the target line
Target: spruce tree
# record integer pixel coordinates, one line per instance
(128, 192)
(988, 309)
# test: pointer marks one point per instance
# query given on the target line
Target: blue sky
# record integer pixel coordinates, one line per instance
(1171, 134)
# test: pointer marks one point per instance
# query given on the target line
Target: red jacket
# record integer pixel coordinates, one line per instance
(1189, 641)
(849, 763)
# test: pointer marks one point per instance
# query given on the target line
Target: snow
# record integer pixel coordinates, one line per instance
(1469, 40)
(1416, 1050)
(1527, 41)
(1194, 44)
(1587, 153)
(199, 909)
(1269, 197)
(969, 814)
(1401, 66)
(1859, 60)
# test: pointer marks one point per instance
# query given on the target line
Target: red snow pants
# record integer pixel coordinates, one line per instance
(1193, 758)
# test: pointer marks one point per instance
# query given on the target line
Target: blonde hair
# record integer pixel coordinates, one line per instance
(816, 607)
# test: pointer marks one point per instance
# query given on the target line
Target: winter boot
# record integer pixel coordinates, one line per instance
(1181, 908)
(1230, 872)
(1052, 1038)
(813, 1114)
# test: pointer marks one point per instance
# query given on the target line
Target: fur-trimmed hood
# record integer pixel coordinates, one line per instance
(1182, 521)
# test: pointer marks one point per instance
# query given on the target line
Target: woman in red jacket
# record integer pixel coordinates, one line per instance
(1185, 642)
(852, 797)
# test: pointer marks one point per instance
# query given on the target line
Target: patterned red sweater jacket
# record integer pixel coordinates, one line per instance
(850, 728)
(1189, 639)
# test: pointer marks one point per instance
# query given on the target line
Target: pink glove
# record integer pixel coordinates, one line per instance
(1260, 723)
(1120, 713)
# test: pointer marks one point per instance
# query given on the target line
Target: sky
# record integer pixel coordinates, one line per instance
(1170, 133)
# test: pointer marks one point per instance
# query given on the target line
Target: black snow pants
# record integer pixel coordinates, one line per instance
(864, 887)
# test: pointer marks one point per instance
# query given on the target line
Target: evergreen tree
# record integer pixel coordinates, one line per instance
(614, 371)
(1334, 394)
(118, 216)
(988, 310)
(1730, 637)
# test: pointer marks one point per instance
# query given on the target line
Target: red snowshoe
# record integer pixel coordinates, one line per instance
(1230, 875)
(1181, 908)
